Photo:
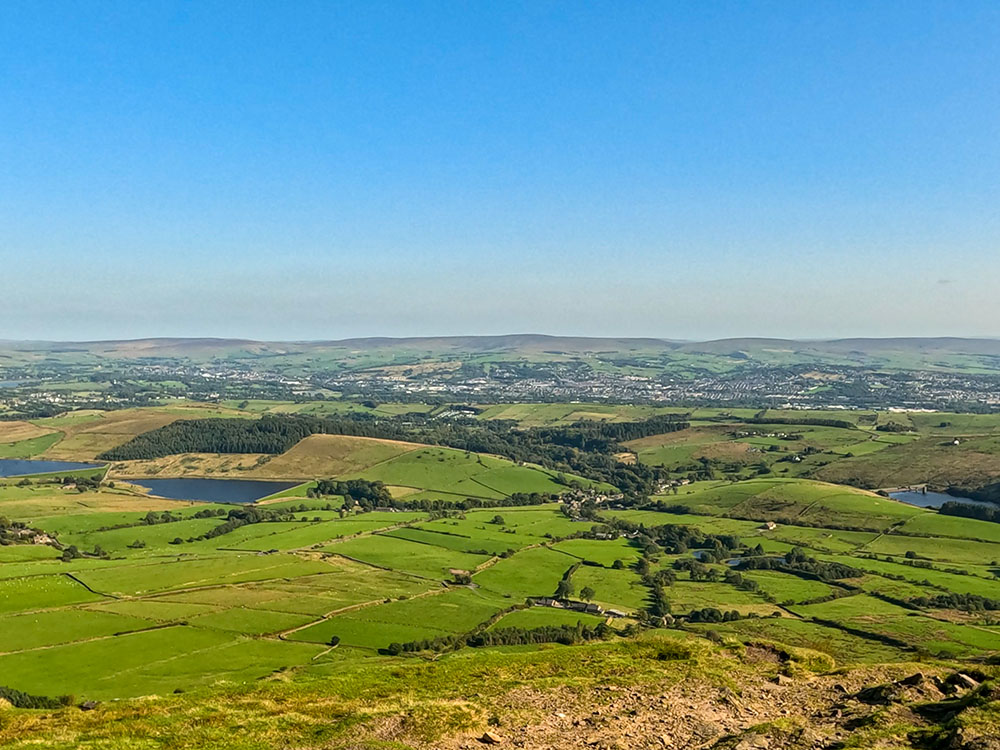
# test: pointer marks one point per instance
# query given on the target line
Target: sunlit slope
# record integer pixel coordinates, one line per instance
(459, 473)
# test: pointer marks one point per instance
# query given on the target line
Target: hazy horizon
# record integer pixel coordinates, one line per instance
(523, 334)
(690, 171)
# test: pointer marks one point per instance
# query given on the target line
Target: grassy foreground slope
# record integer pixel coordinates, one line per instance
(660, 691)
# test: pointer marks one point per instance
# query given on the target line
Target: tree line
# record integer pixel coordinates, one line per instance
(566, 635)
(798, 562)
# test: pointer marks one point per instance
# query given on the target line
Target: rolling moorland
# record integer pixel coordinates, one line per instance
(538, 575)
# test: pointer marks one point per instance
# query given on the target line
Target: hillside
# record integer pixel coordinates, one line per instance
(916, 353)
(753, 608)
(658, 692)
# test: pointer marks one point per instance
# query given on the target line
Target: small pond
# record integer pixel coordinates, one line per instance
(18, 467)
(935, 499)
(213, 490)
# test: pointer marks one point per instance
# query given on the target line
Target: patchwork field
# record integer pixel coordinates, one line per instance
(128, 595)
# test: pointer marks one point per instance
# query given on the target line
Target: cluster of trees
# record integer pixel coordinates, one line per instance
(584, 448)
(711, 614)
(73, 553)
(606, 437)
(964, 602)
(968, 510)
(676, 539)
(246, 515)
(698, 570)
(83, 484)
(659, 604)
(20, 699)
(236, 517)
(265, 435)
(564, 634)
(367, 495)
(11, 532)
(798, 562)
(565, 588)
(735, 578)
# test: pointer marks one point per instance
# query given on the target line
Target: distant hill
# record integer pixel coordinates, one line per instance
(528, 341)
(971, 354)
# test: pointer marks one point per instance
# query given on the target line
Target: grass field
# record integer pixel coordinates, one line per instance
(796, 502)
(461, 474)
(29, 447)
(537, 617)
(451, 612)
(533, 572)
(271, 596)
(426, 560)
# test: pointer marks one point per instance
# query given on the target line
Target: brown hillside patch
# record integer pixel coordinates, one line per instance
(12, 432)
(322, 456)
(88, 439)
(725, 450)
(48, 503)
(191, 465)
(694, 435)
(708, 442)
(975, 462)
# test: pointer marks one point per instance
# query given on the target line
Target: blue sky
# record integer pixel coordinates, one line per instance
(333, 169)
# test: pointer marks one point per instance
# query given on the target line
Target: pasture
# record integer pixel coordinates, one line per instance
(460, 473)
(171, 614)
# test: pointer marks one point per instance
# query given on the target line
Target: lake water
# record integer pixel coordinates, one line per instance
(213, 490)
(17, 467)
(936, 499)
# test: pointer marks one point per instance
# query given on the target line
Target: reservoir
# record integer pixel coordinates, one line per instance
(936, 499)
(18, 467)
(213, 490)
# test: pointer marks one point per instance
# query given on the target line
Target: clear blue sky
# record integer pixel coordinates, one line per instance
(322, 170)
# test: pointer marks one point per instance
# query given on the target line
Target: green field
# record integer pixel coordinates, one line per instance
(272, 597)
(533, 572)
(426, 560)
(537, 617)
(460, 473)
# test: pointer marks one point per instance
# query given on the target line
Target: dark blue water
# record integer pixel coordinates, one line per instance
(935, 499)
(213, 490)
(19, 467)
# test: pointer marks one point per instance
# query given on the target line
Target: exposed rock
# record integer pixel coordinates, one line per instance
(965, 681)
(489, 738)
